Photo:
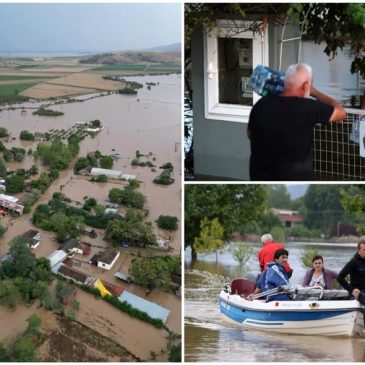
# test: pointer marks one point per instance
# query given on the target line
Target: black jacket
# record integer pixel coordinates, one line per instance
(356, 269)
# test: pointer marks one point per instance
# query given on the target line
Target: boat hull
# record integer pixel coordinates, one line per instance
(329, 318)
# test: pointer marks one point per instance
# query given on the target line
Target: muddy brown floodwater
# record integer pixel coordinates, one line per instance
(148, 122)
(209, 338)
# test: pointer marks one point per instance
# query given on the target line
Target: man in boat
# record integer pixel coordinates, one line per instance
(280, 128)
(267, 252)
(274, 276)
(356, 269)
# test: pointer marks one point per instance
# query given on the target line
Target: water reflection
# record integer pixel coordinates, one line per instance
(209, 338)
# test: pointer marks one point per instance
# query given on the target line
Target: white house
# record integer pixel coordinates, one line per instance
(107, 259)
(72, 245)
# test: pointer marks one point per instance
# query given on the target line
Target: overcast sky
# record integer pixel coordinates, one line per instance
(87, 27)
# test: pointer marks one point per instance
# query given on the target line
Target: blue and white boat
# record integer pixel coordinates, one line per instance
(311, 312)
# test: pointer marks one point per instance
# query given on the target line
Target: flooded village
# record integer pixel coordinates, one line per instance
(94, 186)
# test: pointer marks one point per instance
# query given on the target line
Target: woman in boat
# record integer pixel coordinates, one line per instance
(319, 276)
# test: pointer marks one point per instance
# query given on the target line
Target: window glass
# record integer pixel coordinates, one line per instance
(234, 70)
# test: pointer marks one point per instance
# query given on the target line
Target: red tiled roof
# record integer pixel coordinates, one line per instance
(290, 218)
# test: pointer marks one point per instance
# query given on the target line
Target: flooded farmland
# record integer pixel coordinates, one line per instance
(148, 122)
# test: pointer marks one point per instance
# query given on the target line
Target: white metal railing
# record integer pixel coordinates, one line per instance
(336, 157)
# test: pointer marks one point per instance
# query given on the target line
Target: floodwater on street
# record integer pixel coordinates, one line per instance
(208, 338)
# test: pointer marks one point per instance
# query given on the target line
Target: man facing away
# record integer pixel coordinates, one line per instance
(267, 252)
(356, 269)
(281, 126)
(275, 275)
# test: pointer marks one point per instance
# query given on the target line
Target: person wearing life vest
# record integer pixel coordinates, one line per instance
(267, 252)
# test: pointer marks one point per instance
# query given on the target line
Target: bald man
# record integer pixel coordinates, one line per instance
(281, 126)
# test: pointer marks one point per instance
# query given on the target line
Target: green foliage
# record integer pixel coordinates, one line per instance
(167, 222)
(308, 255)
(232, 205)
(211, 236)
(278, 197)
(4, 356)
(57, 155)
(127, 197)
(167, 166)
(165, 178)
(106, 162)
(26, 135)
(353, 201)
(90, 203)
(241, 253)
(99, 209)
(133, 184)
(3, 132)
(278, 233)
(81, 163)
(175, 353)
(9, 294)
(2, 230)
(33, 170)
(47, 112)
(323, 207)
(95, 123)
(134, 233)
(14, 184)
(101, 178)
(24, 350)
(155, 272)
(300, 230)
(127, 90)
(2, 168)
(34, 322)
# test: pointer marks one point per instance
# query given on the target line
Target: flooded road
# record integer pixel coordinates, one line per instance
(209, 338)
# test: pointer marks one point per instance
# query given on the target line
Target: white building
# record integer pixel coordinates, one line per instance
(56, 257)
(107, 259)
(112, 174)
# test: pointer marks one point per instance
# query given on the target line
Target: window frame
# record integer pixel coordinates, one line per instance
(227, 28)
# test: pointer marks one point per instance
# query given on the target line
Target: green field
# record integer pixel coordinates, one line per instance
(14, 89)
(151, 68)
(15, 78)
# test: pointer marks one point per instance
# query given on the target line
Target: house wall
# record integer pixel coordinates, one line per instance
(105, 266)
(221, 148)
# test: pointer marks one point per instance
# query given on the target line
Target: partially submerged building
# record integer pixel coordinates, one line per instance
(67, 294)
(75, 275)
(11, 204)
(33, 238)
(111, 174)
(57, 257)
(72, 245)
(152, 309)
(105, 259)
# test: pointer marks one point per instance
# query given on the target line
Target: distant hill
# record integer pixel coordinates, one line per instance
(175, 47)
(158, 55)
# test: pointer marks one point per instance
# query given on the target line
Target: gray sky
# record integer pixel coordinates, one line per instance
(87, 27)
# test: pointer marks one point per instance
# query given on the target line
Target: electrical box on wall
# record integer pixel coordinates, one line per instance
(244, 49)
